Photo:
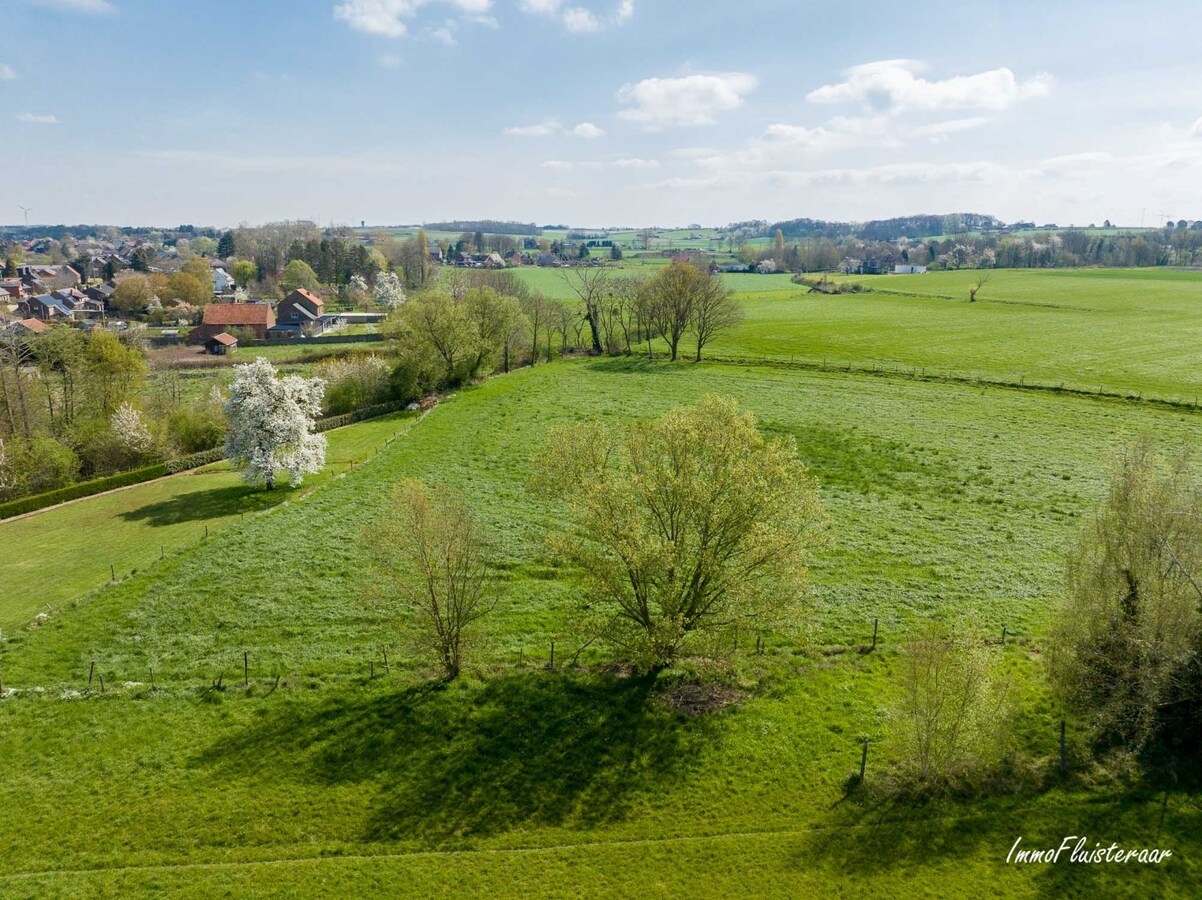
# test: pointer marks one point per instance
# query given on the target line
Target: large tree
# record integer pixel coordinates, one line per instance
(675, 290)
(684, 528)
(299, 274)
(271, 424)
(432, 555)
(593, 288)
(714, 310)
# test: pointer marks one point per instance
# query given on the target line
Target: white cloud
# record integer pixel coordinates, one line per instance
(893, 85)
(558, 165)
(387, 17)
(95, 7)
(939, 131)
(581, 19)
(444, 35)
(657, 103)
(542, 129)
(32, 119)
(1196, 131)
(588, 131)
(7, 72)
(390, 61)
(634, 162)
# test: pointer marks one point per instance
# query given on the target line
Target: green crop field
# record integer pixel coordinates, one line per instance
(947, 500)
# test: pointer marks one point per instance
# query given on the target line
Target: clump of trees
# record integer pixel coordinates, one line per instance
(682, 302)
(1128, 641)
(59, 394)
(271, 424)
(684, 529)
(431, 556)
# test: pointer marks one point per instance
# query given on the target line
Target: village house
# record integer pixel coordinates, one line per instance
(218, 317)
(223, 282)
(300, 313)
(46, 307)
(52, 277)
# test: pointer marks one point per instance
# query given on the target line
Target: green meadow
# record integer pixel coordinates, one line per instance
(947, 500)
(56, 555)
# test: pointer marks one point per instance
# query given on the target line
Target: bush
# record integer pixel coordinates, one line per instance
(193, 429)
(36, 465)
(951, 719)
(1128, 635)
(354, 381)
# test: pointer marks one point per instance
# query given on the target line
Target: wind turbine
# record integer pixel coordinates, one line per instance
(26, 210)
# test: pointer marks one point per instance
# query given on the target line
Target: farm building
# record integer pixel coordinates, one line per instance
(221, 344)
(218, 317)
(907, 269)
(302, 309)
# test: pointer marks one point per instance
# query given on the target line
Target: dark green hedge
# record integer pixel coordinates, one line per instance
(195, 460)
(82, 489)
(358, 415)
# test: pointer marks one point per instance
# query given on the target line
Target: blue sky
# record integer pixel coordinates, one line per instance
(598, 112)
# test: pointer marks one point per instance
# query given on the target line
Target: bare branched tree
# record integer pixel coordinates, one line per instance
(432, 554)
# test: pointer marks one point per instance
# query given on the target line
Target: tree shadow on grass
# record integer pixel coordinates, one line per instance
(524, 750)
(867, 838)
(203, 505)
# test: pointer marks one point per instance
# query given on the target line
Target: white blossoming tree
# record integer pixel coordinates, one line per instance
(271, 424)
(389, 291)
(129, 427)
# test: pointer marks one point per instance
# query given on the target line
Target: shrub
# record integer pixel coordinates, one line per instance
(80, 489)
(35, 465)
(1128, 635)
(950, 721)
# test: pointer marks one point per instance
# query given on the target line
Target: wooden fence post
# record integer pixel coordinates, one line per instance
(864, 759)
(91, 672)
(246, 668)
(1063, 756)
(875, 624)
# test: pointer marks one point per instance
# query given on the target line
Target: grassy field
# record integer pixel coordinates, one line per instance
(59, 554)
(1130, 331)
(947, 500)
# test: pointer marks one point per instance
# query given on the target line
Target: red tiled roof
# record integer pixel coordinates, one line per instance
(35, 325)
(239, 314)
(228, 339)
(311, 297)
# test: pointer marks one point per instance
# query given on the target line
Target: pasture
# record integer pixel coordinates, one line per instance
(1126, 331)
(59, 554)
(947, 500)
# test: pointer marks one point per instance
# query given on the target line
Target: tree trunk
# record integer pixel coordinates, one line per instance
(592, 324)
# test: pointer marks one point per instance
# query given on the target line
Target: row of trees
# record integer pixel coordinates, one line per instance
(1052, 249)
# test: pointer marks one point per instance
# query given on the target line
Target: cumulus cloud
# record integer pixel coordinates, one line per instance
(7, 72)
(388, 17)
(940, 131)
(588, 131)
(894, 85)
(582, 19)
(95, 7)
(33, 119)
(634, 162)
(657, 103)
(1196, 131)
